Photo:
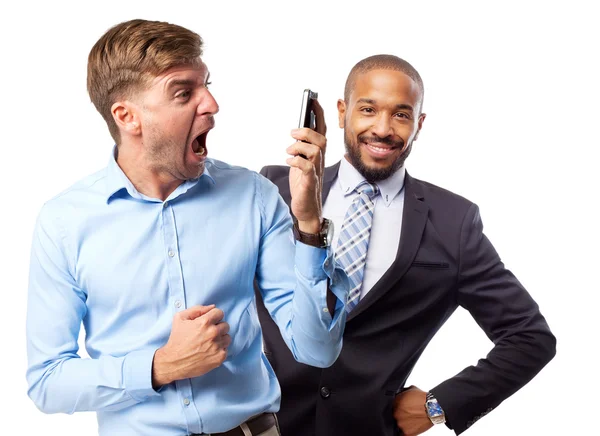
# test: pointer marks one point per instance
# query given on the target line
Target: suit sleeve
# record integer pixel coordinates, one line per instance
(523, 343)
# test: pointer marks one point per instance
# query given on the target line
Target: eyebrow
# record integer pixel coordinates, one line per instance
(185, 82)
(181, 82)
(398, 106)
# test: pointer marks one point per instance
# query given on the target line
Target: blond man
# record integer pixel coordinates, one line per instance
(156, 256)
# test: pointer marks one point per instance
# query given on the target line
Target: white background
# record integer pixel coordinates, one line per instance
(511, 96)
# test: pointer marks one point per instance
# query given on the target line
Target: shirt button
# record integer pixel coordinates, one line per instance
(325, 392)
(325, 310)
(186, 401)
(165, 204)
(177, 304)
(171, 253)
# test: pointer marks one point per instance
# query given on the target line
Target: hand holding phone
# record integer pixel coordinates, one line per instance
(307, 163)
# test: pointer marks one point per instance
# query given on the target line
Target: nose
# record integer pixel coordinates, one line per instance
(207, 105)
(382, 126)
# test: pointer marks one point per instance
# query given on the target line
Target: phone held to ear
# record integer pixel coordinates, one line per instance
(307, 114)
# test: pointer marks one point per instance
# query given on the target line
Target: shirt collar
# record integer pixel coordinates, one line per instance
(118, 183)
(349, 178)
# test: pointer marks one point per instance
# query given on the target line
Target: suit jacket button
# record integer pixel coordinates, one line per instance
(325, 392)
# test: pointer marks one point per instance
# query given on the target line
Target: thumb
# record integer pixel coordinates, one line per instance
(195, 311)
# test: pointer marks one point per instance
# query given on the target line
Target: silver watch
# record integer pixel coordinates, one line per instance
(434, 410)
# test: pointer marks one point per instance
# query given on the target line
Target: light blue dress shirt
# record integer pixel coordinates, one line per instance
(123, 264)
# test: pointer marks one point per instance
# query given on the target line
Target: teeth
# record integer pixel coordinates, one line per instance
(201, 151)
(378, 148)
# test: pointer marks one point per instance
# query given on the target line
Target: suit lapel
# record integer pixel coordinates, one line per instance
(414, 218)
(328, 178)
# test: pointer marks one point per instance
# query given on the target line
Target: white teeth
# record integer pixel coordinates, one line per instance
(382, 149)
(201, 151)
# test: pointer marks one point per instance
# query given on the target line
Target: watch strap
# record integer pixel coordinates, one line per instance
(319, 240)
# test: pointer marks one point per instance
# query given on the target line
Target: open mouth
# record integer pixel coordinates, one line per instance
(199, 145)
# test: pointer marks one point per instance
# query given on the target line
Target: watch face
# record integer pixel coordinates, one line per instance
(434, 409)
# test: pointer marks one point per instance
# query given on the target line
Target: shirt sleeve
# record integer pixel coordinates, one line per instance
(293, 279)
(59, 380)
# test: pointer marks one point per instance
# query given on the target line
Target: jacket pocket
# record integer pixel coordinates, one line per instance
(431, 265)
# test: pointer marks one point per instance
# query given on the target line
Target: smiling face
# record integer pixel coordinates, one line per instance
(175, 115)
(381, 119)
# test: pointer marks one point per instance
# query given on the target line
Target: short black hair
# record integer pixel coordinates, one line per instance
(382, 62)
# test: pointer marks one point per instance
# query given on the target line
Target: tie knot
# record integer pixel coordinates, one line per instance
(369, 189)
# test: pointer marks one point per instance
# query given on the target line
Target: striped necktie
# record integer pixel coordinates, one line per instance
(351, 252)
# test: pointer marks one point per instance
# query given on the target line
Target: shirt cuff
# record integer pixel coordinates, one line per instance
(310, 261)
(137, 374)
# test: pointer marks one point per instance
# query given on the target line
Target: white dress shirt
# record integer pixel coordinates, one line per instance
(387, 218)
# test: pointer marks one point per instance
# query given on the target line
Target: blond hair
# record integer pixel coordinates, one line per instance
(131, 53)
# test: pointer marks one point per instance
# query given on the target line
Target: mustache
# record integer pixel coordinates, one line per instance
(386, 140)
(211, 121)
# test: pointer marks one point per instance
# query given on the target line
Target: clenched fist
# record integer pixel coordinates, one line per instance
(197, 344)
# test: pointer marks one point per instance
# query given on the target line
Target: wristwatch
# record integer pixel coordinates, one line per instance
(319, 240)
(434, 410)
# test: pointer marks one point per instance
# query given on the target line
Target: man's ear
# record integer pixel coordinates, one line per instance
(341, 107)
(125, 115)
(419, 125)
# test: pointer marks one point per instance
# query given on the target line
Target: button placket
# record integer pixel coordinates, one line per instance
(174, 273)
(177, 303)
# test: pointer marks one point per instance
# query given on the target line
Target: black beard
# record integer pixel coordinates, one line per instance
(374, 174)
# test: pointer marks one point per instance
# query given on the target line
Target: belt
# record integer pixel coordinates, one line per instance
(257, 425)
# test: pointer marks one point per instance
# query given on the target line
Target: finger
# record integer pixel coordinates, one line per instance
(321, 127)
(222, 328)
(308, 135)
(223, 341)
(310, 151)
(195, 311)
(213, 317)
(302, 164)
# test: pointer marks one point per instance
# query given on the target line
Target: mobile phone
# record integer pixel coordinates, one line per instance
(307, 114)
